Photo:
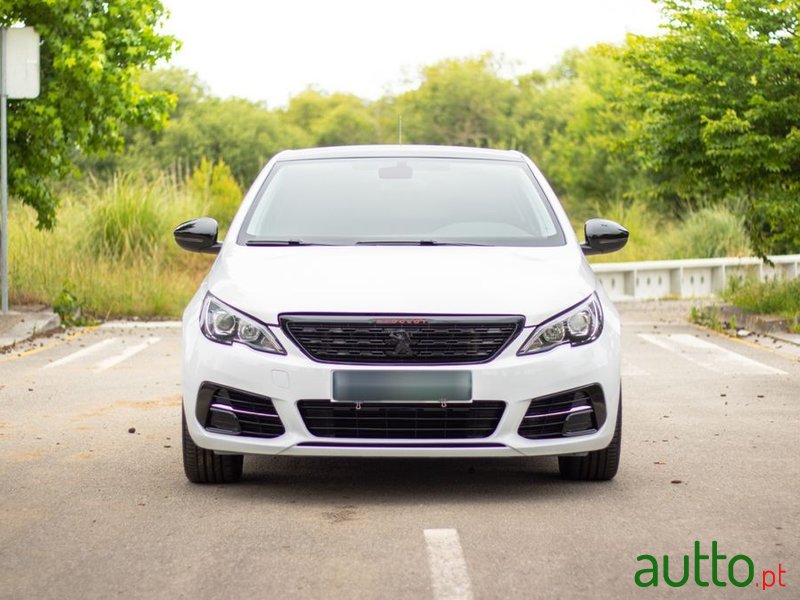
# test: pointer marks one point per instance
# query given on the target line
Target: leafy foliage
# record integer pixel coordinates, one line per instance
(241, 133)
(721, 104)
(333, 120)
(574, 120)
(459, 102)
(91, 55)
(67, 306)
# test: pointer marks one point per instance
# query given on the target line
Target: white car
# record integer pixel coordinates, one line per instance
(401, 301)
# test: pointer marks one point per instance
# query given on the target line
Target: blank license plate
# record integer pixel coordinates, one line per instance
(402, 386)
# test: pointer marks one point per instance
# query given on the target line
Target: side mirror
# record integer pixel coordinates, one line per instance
(603, 236)
(198, 235)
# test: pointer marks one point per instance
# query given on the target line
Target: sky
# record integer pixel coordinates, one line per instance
(268, 51)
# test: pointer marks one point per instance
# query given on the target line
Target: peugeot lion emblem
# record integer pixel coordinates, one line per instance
(403, 339)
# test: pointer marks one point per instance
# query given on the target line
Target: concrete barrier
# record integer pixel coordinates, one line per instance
(690, 278)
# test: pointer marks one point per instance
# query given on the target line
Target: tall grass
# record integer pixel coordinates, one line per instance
(129, 216)
(112, 248)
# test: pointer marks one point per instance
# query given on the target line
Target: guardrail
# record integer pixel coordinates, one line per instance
(690, 278)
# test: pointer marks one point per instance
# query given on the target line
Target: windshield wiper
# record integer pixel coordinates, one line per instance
(414, 243)
(258, 242)
(281, 243)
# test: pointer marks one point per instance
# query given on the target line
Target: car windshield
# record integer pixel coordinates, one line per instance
(426, 201)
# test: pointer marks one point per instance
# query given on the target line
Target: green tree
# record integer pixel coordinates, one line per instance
(333, 120)
(720, 94)
(241, 133)
(574, 120)
(543, 109)
(185, 85)
(461, 102)
(137, 154)
(91, 55)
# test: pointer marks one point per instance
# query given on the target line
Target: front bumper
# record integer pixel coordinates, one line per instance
(286, 380)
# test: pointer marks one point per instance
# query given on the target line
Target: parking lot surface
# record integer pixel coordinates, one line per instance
(94, 503)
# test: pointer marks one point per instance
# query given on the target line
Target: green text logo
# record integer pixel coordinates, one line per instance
(722, 573)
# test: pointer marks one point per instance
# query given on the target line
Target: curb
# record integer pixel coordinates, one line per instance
(32, 325)
(766, 325)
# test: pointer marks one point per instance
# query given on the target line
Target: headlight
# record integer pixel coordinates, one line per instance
(221, 323)
(578, 325)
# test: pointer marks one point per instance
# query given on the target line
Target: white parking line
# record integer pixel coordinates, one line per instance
(631, 370)
(141, 325)
(448, 568)
(112, 361)
(709, 355)
(80, 353)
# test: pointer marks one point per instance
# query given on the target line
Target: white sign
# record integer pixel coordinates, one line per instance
(21, 62)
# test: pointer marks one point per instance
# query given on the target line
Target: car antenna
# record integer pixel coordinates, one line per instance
(400, 129)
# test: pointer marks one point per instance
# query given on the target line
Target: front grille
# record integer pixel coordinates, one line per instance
(240, 413)
(401, 340)
(396, 421)
(575, 412)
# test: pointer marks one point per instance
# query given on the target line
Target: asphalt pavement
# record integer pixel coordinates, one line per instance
(94, 503)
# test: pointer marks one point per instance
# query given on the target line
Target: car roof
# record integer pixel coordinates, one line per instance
(399, 150)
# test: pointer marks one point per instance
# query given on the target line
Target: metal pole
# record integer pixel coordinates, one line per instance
(3, 173)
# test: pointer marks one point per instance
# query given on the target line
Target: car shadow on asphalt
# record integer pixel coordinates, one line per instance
(403, 480)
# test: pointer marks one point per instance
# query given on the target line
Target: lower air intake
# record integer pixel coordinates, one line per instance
(401, 421)
(566, 414)
(234, 412)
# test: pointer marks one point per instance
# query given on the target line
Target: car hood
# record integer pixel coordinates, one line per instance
(268, 281)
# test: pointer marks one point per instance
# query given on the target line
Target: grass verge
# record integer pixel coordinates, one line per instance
(780, 297)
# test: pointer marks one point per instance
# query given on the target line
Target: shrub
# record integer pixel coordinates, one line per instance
(712, 232)
(67, 306)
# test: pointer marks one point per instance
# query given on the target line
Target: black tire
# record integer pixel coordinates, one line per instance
(600, 465)
(204, 466)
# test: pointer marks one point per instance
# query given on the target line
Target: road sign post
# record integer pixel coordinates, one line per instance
(3, 175)
(19, 78)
